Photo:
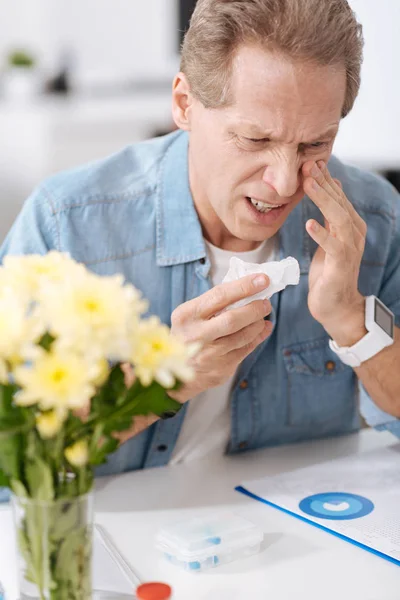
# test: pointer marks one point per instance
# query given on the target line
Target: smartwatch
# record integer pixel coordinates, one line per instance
(379, 322)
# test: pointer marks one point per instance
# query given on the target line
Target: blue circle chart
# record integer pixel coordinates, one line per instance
(336, 506)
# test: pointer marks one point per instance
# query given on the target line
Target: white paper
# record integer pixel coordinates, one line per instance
(107, 575)
(373, 475)
(281, 273)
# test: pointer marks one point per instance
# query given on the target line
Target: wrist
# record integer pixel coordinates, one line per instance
(347, 327)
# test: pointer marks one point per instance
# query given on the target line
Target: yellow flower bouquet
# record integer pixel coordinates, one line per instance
(66, 336)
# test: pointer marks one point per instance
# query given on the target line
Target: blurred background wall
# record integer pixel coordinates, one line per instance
(106, 67)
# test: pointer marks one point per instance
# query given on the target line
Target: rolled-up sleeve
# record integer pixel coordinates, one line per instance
(35, 231)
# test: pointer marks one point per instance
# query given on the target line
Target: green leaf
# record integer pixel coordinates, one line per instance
(18, 488)
(111, 393)
(40, 480)
(24, 548)
(6, 399)
(4, 479)
(155, 400)
(10, 456)
(117, 424)
(46, 341)
(100, 455)
(73, 566)
(18, 423)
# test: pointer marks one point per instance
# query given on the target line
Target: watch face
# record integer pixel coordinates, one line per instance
(383, 318)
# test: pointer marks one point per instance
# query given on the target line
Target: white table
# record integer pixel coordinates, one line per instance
(298, 561)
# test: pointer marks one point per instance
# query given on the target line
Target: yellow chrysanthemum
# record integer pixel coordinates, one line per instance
(78, 454)
(49, 423)
(18, 331)
(92, 314)
(57, 380)
(29, 272)
(159, 356)
(103, 372)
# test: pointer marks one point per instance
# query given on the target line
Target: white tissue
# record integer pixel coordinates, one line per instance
(281, 273)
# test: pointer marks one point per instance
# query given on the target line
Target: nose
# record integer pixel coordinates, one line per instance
(283, 176)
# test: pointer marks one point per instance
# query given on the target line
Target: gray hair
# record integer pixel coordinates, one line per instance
(322, 31)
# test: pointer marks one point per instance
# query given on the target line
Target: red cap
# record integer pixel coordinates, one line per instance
(153, 591)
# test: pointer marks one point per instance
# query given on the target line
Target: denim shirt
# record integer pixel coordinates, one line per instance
(132, 213)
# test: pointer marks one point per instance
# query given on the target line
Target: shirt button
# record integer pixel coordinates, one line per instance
(244, 384)
(162, 448)
(202, 261)
(243, 445)
(330, 365)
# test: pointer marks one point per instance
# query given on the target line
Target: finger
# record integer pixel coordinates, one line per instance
(335, 184)
(237, 356)
(239, 339)
(340, 221)
(82, 413)
(321, 175)
(234, 320)
(335, 189)
(221, 296)
(358, 221)
(331, 245)
(338, 183)
(129, 374)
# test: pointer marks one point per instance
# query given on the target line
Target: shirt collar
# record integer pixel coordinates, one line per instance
(179, 234)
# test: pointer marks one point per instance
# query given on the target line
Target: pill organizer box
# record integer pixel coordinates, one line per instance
(200, 543)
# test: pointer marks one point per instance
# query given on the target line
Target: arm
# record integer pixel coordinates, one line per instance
(379, 374)
(35, 230)
(334, 299)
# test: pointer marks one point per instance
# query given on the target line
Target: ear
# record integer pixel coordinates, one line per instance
(182, 101)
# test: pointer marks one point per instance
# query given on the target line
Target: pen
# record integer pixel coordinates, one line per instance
(116, 555)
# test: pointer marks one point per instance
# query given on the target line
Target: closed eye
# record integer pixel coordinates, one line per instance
(313, 146)
(258, 140)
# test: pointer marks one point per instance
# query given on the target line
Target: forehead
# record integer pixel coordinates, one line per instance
(272, 91)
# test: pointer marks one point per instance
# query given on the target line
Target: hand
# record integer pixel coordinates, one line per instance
(334, 299)
(226, 338)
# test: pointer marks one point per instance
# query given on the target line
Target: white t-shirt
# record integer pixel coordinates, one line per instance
(206, 428)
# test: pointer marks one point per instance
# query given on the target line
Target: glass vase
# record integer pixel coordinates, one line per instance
(54, 546)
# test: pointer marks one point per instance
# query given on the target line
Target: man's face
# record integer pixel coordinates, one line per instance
(283, 115)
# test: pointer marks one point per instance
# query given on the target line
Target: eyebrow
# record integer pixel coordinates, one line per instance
(332, 130)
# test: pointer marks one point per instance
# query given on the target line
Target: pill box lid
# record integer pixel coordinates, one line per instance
(199, 537)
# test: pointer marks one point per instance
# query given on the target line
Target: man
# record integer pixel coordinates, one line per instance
(258, 103)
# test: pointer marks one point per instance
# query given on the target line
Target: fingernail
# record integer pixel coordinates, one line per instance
(315, 171)
(260, 281)
(315, 226)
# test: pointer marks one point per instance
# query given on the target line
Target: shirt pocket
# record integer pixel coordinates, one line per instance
(321, 390)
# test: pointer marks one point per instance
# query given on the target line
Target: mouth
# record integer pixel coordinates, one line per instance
(263, 207)
(265, 212)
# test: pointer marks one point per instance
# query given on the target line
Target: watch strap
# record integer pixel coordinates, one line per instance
(361, 351)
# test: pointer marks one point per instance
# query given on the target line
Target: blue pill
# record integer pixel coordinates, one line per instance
(194, 566)
(214, 540)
